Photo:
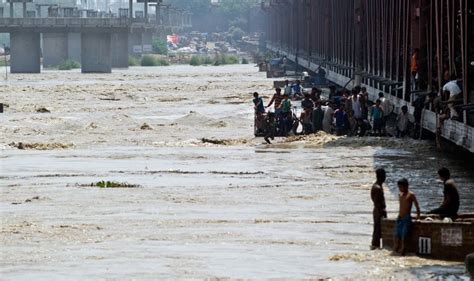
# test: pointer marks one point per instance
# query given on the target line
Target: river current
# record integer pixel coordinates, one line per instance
(211, 202)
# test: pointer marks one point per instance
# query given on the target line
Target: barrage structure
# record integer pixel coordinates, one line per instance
(371, 42)
(100, 40)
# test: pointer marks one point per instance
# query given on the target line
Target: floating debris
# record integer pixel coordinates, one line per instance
(92, 125)
(322, 139)
(43, 110)
(41, 146)
(225, 141)
(31, 199)
(145, 126)
(112, 184)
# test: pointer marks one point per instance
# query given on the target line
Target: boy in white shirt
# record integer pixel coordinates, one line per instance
(403, 119)
(453, 89)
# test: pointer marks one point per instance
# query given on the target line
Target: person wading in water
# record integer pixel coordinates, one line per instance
(404, 221)
(379, 211)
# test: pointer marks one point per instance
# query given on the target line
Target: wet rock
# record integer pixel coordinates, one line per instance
(43, 110)
(470, 264)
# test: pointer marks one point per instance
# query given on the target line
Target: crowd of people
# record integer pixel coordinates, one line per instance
(448, 209)
(447, 104)
(343, 113)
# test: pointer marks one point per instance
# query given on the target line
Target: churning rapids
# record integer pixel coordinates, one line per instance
(211, 201)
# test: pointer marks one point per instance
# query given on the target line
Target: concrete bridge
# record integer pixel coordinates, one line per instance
(99, 43)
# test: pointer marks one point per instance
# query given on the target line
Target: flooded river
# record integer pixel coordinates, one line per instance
(211, 201)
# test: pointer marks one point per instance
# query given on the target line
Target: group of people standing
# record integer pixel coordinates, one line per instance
(343, 113)
(448, 209)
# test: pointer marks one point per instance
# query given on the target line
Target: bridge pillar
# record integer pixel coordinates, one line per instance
(55, 48)
(120, 50)
(74, 46)
(25, 52)
(96, 53)
(147, 40)
(24, 9)
(135, 43)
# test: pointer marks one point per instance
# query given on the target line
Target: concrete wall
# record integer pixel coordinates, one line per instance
(25, 52)
(55, 48)
(96, 53)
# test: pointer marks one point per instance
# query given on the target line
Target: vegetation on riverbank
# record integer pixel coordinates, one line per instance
(133, 61)
(195, 60)
(68, 65)
(160, 46)
(223, 59)
(151, 60)
(148, 60)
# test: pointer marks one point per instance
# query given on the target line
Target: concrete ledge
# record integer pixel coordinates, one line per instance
(434, 239)
(77, 25)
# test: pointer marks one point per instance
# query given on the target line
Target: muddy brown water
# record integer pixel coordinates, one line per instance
(241, 210)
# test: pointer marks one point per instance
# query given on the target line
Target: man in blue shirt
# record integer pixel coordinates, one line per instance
(341, 121)
(297, 90)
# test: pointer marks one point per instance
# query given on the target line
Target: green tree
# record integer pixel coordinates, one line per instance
(236, 32)
(160, 46)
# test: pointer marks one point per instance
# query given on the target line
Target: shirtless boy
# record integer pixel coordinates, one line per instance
(404, 222)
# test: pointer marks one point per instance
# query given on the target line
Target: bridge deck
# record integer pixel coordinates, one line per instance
(76, 25)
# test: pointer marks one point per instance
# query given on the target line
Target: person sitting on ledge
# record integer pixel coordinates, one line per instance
(450, 206)
(455, 94)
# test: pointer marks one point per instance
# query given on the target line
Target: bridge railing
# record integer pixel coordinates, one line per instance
(74, 22)
(66, 22)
